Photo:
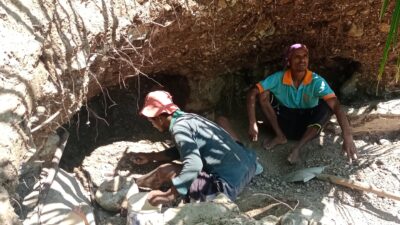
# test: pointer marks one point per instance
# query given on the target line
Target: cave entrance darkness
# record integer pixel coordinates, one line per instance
(114, 116)
(337, 71)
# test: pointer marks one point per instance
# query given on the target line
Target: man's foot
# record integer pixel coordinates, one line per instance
(269, 144)
(294, 157)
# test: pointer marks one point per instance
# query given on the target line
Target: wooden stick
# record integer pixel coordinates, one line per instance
(358, 185)
(256, 212)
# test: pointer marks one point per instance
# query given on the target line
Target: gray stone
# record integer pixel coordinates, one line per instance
(205, 212)
(269, 220)
(112, 193)
(349, 88)
(293, 219)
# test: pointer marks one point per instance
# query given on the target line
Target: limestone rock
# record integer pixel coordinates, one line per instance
(349, 88)
(205, 212)
(269, 220)
(7, 214)
(113, 192)
(293, 219)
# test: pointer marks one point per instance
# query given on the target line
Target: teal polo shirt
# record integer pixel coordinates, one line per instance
(307, 95)
(205, 146)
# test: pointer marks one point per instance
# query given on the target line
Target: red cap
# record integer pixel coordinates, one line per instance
(158, 102)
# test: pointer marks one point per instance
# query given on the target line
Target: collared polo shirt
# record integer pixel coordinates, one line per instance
(307, 95)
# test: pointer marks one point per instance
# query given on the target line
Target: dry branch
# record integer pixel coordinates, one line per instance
(45, 186)
(46, 121)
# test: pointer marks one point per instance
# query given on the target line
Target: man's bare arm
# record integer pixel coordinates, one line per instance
(167, 155)
(348, 144)
(251, 113)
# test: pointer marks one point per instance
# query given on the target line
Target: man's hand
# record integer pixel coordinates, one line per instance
(141, 158)
(253, 131)
(349, 148)
(157, 197)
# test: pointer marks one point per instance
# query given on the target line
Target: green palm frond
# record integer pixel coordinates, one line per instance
(383, 8)
(390, 40)
(397, 69)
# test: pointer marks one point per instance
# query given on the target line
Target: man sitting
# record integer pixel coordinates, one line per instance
(304, 103)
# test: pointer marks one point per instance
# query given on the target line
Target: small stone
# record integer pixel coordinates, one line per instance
(355, 31)
(141, 1)
(167, 7)
(269, 220)
(222, 4)
(379, 162)
(313, 222)
(365, 12)
(33, 119)
(40, 110)
(351, 12)
(384, 142)
(293, 218)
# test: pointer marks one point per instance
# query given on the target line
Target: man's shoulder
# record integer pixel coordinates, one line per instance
(185, 118)
(316, 77)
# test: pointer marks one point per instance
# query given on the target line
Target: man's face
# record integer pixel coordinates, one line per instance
(299, 60)
(157, 123)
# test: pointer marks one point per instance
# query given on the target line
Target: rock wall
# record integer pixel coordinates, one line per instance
(55, 55)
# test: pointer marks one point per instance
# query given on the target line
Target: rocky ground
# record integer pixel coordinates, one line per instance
(378, 165)
(268, 193)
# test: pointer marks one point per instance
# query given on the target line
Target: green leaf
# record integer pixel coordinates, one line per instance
(394, 23)
(385, 4)
(397, 68)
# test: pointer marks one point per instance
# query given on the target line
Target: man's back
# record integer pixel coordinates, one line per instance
(203, 145)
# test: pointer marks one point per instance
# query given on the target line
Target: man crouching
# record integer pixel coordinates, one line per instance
(212, 161)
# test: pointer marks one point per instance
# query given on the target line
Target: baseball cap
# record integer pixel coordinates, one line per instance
(158, 102)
